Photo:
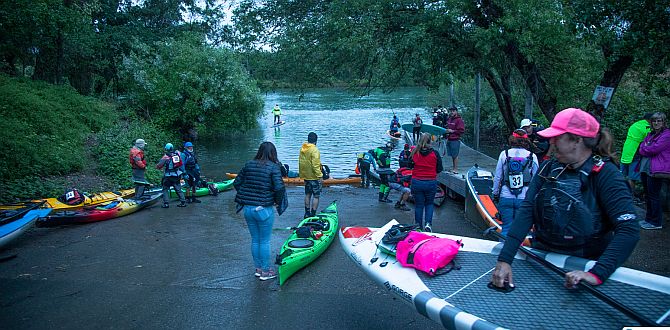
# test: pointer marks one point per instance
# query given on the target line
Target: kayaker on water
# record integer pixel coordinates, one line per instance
(173, 165)
(260, 186)
(192, 172)
(578, 203)
(394, 126)
(139, 166)
(276, 111)
(309, 169)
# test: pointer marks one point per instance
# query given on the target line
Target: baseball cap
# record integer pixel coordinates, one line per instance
(572, 120)
(525, 122)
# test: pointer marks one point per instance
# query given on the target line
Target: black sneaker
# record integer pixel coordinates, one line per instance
(165, 205)
(193, 200)
(404, 207)
(182, 204)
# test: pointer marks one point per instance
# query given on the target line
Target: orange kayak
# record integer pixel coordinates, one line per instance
(327, 182)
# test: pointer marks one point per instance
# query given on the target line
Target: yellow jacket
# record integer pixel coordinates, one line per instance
(309, 162)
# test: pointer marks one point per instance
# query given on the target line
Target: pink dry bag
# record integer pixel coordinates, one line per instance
(426, 253)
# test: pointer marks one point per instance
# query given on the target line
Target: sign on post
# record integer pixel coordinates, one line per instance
(602, 95)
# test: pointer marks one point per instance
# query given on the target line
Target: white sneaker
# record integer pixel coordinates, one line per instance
(428, 228)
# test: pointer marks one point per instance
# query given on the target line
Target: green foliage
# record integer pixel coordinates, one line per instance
(44, 127)
(112, 147)
(183, 84)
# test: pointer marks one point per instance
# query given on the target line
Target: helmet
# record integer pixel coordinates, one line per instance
(389, 145)
(169, 147)
(406, 145)
(188, 144)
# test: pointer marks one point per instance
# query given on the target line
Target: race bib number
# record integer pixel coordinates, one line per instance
(516, 181)
(176, 159)
(69, 195)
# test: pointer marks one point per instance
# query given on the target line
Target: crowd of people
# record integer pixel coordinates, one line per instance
(561, 182)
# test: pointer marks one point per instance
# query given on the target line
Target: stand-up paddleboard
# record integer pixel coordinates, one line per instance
(461, 299)
(281, 122)
(426, 128)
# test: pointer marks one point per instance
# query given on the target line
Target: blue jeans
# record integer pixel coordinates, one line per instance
(424, 195)
(507, 208)
(259, 220)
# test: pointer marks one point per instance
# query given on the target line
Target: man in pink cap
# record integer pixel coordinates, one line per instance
(578, 202)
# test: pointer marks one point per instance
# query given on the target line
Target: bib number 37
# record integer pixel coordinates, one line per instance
(516, 181)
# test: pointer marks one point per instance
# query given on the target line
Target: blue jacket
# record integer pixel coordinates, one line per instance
(260, 183)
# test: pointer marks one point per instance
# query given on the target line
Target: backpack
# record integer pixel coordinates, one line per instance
(72, 197)
(427, 253)
(175, 162)
(517, 172)
(325, 170)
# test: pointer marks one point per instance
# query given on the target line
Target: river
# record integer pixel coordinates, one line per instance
(345, 124)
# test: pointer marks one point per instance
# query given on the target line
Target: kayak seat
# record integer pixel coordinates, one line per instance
(301, 243)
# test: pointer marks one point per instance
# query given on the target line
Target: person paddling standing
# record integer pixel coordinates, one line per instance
(276, 111)
(581, 187)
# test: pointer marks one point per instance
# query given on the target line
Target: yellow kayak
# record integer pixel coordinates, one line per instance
(89, 200)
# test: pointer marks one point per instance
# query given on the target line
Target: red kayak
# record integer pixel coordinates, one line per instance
(106, 211)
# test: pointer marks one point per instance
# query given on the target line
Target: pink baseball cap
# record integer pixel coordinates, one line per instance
(572, 120)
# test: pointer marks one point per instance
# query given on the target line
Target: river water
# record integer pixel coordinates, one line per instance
(345, 124)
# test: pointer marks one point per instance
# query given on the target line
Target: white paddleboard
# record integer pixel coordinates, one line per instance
(461, 299)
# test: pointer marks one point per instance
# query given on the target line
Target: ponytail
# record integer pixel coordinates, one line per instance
(601, 144)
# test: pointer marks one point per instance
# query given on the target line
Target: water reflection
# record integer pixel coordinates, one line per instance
(345, 125)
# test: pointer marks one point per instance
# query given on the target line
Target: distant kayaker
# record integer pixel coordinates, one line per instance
(173, 165)
(309, 169)
(276, 111)
(259, 187)
(455, 128)
(416, 127)
(394, 126)
(192, 172)
(139, 166)
(578, 203)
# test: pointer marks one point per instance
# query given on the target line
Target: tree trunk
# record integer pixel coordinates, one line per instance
(501, 90)
(611, 78)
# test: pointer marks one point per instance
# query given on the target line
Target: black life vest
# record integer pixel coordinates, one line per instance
(563, 218)
(190, 160)
(517, 172)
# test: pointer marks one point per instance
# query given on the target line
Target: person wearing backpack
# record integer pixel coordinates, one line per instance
(578, 203)
(364, 161)
(173, 165)
(516, 166)
(192, 172)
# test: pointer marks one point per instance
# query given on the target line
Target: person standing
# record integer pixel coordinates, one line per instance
(427, 164)
(538, 144)
(630, 158)
(364, 161)
(455, 128)
(276, 111)
(404, 159)
(416, 127)
(173, 165)
(514, 171)
(656, 146)
(578, 203)
(192, 172)
(309, 169)
(259, 186)
(139, 166)
(383, 157)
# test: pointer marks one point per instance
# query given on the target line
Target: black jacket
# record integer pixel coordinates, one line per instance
(260, 184)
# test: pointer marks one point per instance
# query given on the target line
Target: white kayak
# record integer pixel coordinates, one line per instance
(461, 299)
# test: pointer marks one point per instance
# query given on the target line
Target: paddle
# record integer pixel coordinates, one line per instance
(597, 293)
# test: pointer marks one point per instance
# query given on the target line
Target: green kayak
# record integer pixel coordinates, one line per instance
(307, 242)
(220, 186)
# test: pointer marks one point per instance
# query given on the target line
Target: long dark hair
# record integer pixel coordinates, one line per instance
(267, 152)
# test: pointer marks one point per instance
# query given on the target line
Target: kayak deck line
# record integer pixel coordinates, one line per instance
(471, 282)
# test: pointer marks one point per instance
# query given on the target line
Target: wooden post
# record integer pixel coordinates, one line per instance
(452, 98)
(477, 109)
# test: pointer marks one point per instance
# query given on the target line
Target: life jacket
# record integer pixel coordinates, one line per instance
(72, 197)
(403, 176)
(563, 217)
(190, 160)
(383, 158)
(517, 172)
(174, 163)
(368, 158)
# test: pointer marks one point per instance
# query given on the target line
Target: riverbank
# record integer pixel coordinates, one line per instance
(190, 267)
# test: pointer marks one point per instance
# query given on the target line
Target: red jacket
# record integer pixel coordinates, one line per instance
(136, 158)
(456, 123)
(427, 163)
